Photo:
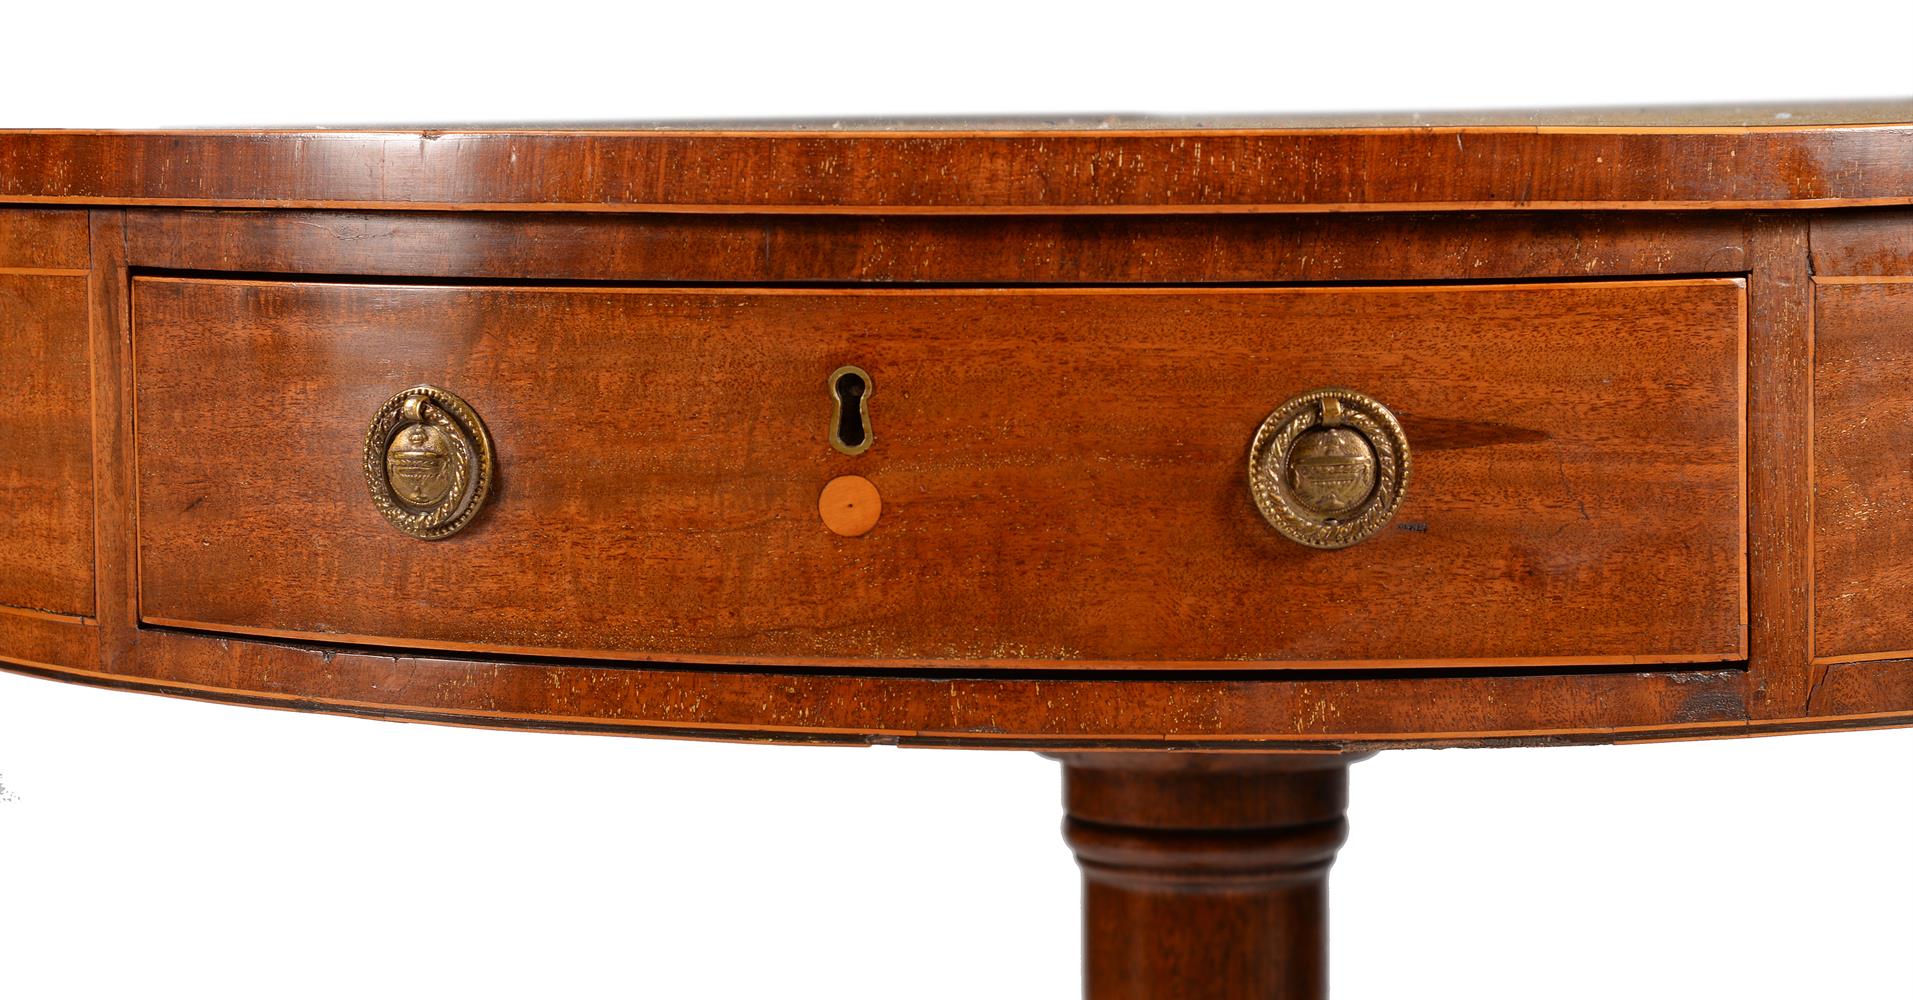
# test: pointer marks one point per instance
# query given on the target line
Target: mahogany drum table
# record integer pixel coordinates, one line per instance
(1206, 457)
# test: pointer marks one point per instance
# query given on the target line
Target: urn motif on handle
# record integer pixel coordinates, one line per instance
(428, 462)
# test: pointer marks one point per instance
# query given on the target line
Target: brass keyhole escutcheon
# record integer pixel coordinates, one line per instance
(1328, 468)
(850, 411)
(428, 462)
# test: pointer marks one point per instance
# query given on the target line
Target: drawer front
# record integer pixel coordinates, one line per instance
(1863, 468)
(1063, 473)
(46, 443)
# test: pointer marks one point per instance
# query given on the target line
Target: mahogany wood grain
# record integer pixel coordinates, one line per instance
(999, 250)
(1061, 472)
(1152, 171)
(1205, 875)
(1863, 468)
(1779, 493)
(1287, 711)
(31, 639)
(1859, 260)
(110, 334)
(1861, 243)
(1867, 691)
(43, 239)
(1073, 710)
(46, 447)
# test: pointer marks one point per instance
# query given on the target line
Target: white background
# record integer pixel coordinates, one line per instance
(152, 847)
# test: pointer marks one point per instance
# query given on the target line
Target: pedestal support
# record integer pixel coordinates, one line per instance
(1205, 875)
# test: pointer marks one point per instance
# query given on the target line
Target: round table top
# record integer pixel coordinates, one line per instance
(1779, 156)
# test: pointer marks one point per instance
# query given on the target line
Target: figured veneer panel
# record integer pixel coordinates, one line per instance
(1062, 472)
(46, 445)
(52, 239)
(1863, 468)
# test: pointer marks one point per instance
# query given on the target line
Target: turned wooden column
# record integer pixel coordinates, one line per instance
(1205, 875)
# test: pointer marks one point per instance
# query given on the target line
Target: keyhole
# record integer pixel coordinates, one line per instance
(850, 421)
(850, 394)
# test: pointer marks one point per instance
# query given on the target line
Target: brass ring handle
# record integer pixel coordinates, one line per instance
(1328, 468)
(428, 462)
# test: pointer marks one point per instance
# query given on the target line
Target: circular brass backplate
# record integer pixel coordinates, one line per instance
(428, 462)
(1328, 468)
